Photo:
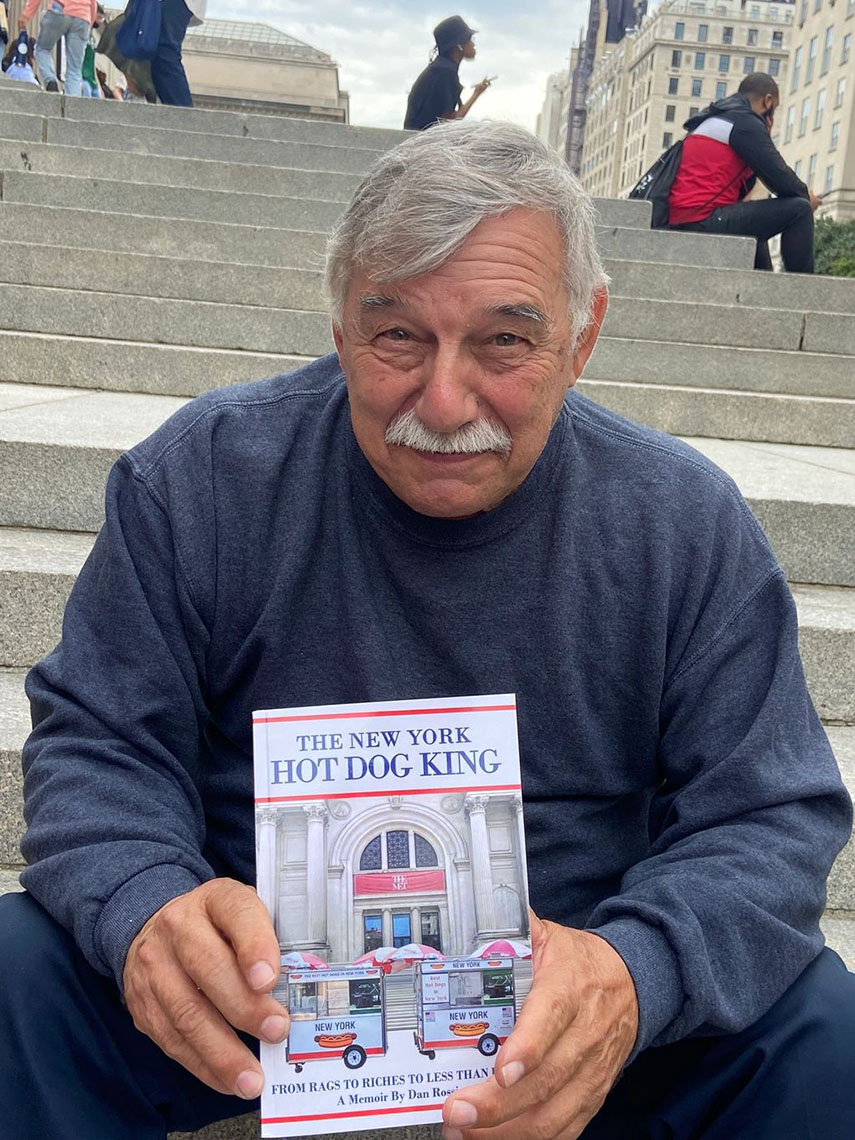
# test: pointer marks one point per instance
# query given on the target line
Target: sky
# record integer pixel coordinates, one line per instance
(382, 47)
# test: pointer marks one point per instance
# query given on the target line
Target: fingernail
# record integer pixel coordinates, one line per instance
(260, 975)
(249, 1084)
(512, 1072)
(274, 1028)
(462, 1114)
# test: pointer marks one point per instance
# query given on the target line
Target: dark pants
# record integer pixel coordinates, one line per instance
(167, 70)
(792, 218)
(73, 1067)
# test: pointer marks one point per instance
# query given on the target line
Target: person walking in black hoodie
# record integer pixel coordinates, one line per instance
(728, 148)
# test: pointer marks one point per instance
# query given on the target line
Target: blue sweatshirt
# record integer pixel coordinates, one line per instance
(680, 795)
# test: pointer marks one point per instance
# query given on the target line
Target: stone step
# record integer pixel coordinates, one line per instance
(723, 367)
(132, 365)
(206, 324)
(748, 288)
(144, 274)
(196, 173)
(260, 245)
(15, 98)
(804, 498)
(303, 199)
(713, 413)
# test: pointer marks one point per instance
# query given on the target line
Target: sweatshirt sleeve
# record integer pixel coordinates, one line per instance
(114, 816)
(29, 10)
(722, 915)
(753, 143)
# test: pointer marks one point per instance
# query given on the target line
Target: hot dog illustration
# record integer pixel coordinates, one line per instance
(469, 1028)
(335, 1040)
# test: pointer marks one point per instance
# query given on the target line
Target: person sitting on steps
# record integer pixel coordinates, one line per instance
(729, 146)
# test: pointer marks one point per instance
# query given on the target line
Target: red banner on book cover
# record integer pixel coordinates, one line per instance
(398, 882)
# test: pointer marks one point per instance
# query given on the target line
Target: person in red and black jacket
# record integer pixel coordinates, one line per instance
(728, 148)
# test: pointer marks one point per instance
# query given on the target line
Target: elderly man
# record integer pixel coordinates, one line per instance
(433, 513)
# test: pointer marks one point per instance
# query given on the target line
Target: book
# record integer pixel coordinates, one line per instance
(390, 852)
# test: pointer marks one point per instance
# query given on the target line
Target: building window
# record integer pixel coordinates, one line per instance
(826, 51)
(748, 65)
(817, 4)
(720, 91)
(811, 59)
(703, 32)
(724, 63)
(797, 169)
(402, 928)
(829, 178)
(847, 48)
(670, 111)
(693, 111)
(397, 851)
(797, 66)
(429, 922)
(372, 932)
(697, 84)
(802, 13)
(805, 115)
(667, 140)
(811, 168)
(727, 35)
(700, 60)
(791, 122)
(679, 30)
(752, 37)
(777, 40)
(820, 110)
(774, 66)
(676, 58)
(672, 86)
(835, 135)
(841, 92)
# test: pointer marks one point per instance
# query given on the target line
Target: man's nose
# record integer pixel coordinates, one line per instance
(448, 398)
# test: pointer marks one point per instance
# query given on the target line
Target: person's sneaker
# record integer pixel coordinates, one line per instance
(51, 85)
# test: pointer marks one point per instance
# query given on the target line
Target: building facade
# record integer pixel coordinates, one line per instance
(684, 56)
(552, 120)
(349, 876)
(815, 123)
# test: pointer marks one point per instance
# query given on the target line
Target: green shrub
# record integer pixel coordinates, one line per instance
(834, 247)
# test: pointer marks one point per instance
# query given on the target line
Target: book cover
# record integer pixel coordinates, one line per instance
(391, 854)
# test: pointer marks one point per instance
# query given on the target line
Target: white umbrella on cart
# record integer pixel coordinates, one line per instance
(404, 957)
(503, 948)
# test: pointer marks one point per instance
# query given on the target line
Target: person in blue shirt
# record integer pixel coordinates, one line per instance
(434, 511)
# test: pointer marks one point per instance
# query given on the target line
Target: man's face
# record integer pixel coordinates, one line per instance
(468, 49)
(486, 336)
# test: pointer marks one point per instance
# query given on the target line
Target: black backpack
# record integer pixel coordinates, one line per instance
(655, 185)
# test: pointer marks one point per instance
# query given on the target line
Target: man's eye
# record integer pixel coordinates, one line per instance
(396, 334)
(507, 340)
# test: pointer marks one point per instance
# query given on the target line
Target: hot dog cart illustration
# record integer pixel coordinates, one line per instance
(464, 1001)
(336, 1014)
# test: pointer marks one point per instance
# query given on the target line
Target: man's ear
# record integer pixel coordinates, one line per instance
(338, 342)
(588, 339)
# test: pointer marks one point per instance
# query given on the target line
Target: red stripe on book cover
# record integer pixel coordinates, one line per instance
(345, 1115)
(464, 1042)
(397, 882)
(331, 1053)
(386, 791)
(381, 712)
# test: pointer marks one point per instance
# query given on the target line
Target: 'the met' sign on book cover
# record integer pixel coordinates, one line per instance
(391, 855)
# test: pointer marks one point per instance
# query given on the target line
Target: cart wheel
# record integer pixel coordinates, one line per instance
(488, 1045)
(298, 1068)
(354, 1057)
(431, 1055)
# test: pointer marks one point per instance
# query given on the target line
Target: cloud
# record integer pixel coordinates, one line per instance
(382, 48)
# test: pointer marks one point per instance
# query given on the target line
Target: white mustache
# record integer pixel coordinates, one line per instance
(407, 430)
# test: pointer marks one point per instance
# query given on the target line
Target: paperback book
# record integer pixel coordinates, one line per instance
(391, 854)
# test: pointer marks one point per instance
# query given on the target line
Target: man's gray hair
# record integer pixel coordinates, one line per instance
(422, 200)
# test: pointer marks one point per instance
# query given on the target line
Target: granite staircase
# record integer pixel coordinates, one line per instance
(151, 253)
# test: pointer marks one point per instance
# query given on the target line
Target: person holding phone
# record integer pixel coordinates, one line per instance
(728, 147)
(437, 93)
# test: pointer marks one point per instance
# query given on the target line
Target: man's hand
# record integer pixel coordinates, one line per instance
(207, 961)
(481, 87)
(22, 24)
(575, 1031)
(815, 201)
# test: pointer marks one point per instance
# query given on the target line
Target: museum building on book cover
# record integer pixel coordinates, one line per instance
(350, 875)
